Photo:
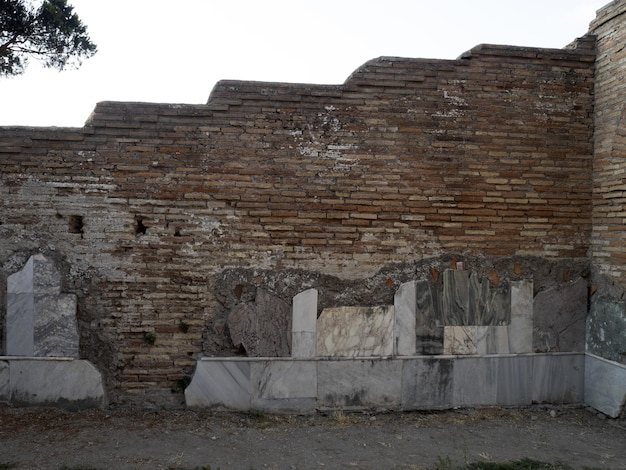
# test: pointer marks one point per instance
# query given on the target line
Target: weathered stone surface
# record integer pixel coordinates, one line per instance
(220, 383)
(72, 384)
(41, 321)
(427, 383)
(429, 319)
(558, 378)
(304, 324)
(405, 308)
(606, 329)
(521, 327)
(559, 316)
(262, 328)
(355, 332)
(605, 385)
(456, 306)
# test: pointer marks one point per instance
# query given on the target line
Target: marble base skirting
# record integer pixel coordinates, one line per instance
(383, 383)
(605, 385)
(60, 382)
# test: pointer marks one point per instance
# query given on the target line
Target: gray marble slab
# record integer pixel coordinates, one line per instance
(494, 341)
(20, 321)
(41, 321)
(359, 383)
(73, 384)
(605, 385)
(429, 319)
(558, 378)
(520, 334)
(475, 381)
(514, 381)
(405, 306)
(559, 316)
(304, 324)
(606, 329)
(5, 389)
(220, 383)
(427, 383)
(456, 307)
(355, 332)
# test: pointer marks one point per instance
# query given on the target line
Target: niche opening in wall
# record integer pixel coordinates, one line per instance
(75, 224)
(140, 228)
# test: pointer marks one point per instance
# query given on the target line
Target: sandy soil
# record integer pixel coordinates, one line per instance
(138, 439)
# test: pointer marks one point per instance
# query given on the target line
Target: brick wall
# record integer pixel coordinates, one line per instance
(609, 182)
(489, 155)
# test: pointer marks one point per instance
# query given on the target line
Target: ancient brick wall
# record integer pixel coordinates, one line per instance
(609, 182)
(157, 212)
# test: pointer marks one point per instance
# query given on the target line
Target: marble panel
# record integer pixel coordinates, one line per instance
(429, 319)
(72, 384)
(605, 385)
(284, 385)
(514, 381)
(220, 383)
(355, 332)
(456, 307)
(5, 389)
(427, 383)
(558, 378)
(304, 324)
(21, 282)
(359, 383)
(20, 330)
(464, 340)
(405, 306)
(263, 328)
(559, 316)
(303, 344)
(606, 329)
(475, 381)
(520, 332)
(56, 327)
(495, 340)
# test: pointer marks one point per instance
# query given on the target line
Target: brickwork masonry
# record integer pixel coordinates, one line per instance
(489, 156)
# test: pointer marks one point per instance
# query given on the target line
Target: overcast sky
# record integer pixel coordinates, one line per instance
(175, 52)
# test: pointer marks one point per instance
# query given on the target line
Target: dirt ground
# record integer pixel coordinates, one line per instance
(139, 439)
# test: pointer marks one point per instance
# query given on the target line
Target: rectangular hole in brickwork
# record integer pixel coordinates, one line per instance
(75, 224)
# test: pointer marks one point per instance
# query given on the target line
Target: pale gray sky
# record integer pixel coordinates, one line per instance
(175, 52)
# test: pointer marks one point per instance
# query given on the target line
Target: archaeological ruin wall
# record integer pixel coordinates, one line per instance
(165, 219)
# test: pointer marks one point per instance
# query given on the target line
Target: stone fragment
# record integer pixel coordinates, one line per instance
(304, 324)
(355, 331)
(41, 321)
(559, 316)
(262, 328)
(606, 329)
(405, 305)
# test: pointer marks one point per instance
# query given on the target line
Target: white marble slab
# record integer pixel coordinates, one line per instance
(427, 383)
(359, 383)
(521, 326)
(304, 324)
(464, 340)
(20, 331)
(355, 332)
(605, 385)
(284, 385)
(72, 384)
(220, 383)
(514, 381)
(475, 381)
(404, 332)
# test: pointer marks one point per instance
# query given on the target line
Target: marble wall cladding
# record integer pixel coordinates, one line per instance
(456, 298)
(559, 316)
(520, 333)
(605, 385)
(41, 321)
(355, 332)
(5, 389)
(263, 328)
(468, 340)
(428, 319)
(474, 381)
(73, 384)
(404, 328)
(304, 324)
(558, 378)
(220, 383)
(606, 329)
(427, 383)
(284, 385)
(359, 383)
